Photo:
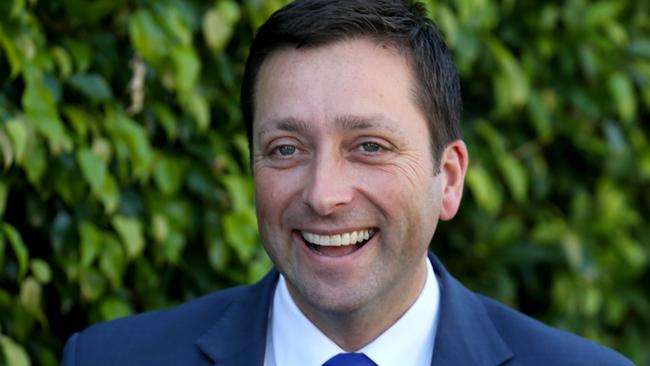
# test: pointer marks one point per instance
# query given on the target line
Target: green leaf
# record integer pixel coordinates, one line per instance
(4, 192)
(623, 94)
(135, 138)
(95, 172)
(197, 106)
(2, 252)
(218, 253)
(259, 267)
(112, 262)
(573, 250)
(159, 227)
(93, 169)
(602, 12)
(92, 284)
(41, 270)
(540, 116)
(218, 24)
(113, 308)
(6, 149)
(484, 189)
(110, 194)
(52, 129)
(30, 293)
(240, 229)
(13, 56)
(167, 120)
(240, 191)
(131, 234)
(176, 22)
(80, 120)
(169, 173)
(14, 353)
(173, 247)
(63, 61)
(187, 68)
(81, 53)
(19, 137)
(102, 149)
(19, 248)
(515, 176)
(93, 86)
(511, 82)
(40, 108)
(35, 162)
(147, 36)
(89, 12)
(90, 243)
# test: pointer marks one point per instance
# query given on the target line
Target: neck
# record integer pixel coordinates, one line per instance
(353, 329)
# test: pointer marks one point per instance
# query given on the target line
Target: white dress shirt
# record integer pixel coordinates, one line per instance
(292, 340)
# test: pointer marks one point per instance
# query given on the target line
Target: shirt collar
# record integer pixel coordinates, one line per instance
(294, 340)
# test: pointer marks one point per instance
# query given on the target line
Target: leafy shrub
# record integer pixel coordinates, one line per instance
(125, 184)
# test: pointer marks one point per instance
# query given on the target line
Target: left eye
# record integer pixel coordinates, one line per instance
(370, 147)
(286, 150)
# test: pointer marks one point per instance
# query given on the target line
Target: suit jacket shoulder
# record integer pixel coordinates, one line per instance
(223, 325)
(476, 330)
(533, 342)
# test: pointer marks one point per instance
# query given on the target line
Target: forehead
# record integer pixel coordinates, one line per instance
(356, 77)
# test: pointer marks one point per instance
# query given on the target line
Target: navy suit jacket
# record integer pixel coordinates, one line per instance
(229, 328)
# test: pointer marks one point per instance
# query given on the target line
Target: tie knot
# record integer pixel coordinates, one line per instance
(350, 359)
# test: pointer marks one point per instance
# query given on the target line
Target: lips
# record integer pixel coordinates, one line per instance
(337, 245)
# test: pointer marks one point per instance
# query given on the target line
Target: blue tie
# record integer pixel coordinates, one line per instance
(350, 359)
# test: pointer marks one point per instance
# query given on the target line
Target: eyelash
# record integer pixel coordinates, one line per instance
(278, 150)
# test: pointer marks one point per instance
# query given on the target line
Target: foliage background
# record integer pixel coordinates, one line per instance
(124, 183)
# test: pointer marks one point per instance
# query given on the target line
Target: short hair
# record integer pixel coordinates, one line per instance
(402, 24)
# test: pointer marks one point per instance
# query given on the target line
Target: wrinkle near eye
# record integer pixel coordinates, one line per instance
(410, 165)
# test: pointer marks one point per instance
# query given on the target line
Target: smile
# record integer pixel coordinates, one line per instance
(350, 238)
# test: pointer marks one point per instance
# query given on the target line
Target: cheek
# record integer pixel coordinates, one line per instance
(273, 190)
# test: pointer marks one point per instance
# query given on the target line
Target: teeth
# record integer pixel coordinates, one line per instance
(353, 237)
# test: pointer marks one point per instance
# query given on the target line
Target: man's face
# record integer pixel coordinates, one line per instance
(341, 152)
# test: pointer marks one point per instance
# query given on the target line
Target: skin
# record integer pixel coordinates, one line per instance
(340, 145)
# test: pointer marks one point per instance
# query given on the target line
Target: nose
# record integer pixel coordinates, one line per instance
(328, 186)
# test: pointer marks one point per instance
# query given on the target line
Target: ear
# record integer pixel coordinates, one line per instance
(453, 166)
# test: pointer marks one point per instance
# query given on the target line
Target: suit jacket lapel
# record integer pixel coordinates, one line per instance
(466, 335)
(239, 336)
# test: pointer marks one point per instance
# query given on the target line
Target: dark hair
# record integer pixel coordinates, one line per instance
(400, 23)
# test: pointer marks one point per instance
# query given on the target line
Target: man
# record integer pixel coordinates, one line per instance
(352, 110)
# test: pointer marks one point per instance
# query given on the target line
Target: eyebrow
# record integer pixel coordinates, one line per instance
(353, 122)
(288, 124)
(344, 122)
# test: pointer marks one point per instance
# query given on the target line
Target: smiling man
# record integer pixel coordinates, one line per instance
(348, 190)
(352, 109)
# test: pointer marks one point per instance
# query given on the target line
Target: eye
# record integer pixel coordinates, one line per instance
(371, 147)
(286, 150)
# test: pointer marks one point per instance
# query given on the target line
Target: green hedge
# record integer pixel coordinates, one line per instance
(124, 181)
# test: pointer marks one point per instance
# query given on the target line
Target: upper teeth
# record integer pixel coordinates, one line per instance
(338, 239)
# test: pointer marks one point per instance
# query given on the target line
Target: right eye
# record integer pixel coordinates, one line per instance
(285, 150)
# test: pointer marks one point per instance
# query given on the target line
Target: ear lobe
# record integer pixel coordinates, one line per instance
(453, 166)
